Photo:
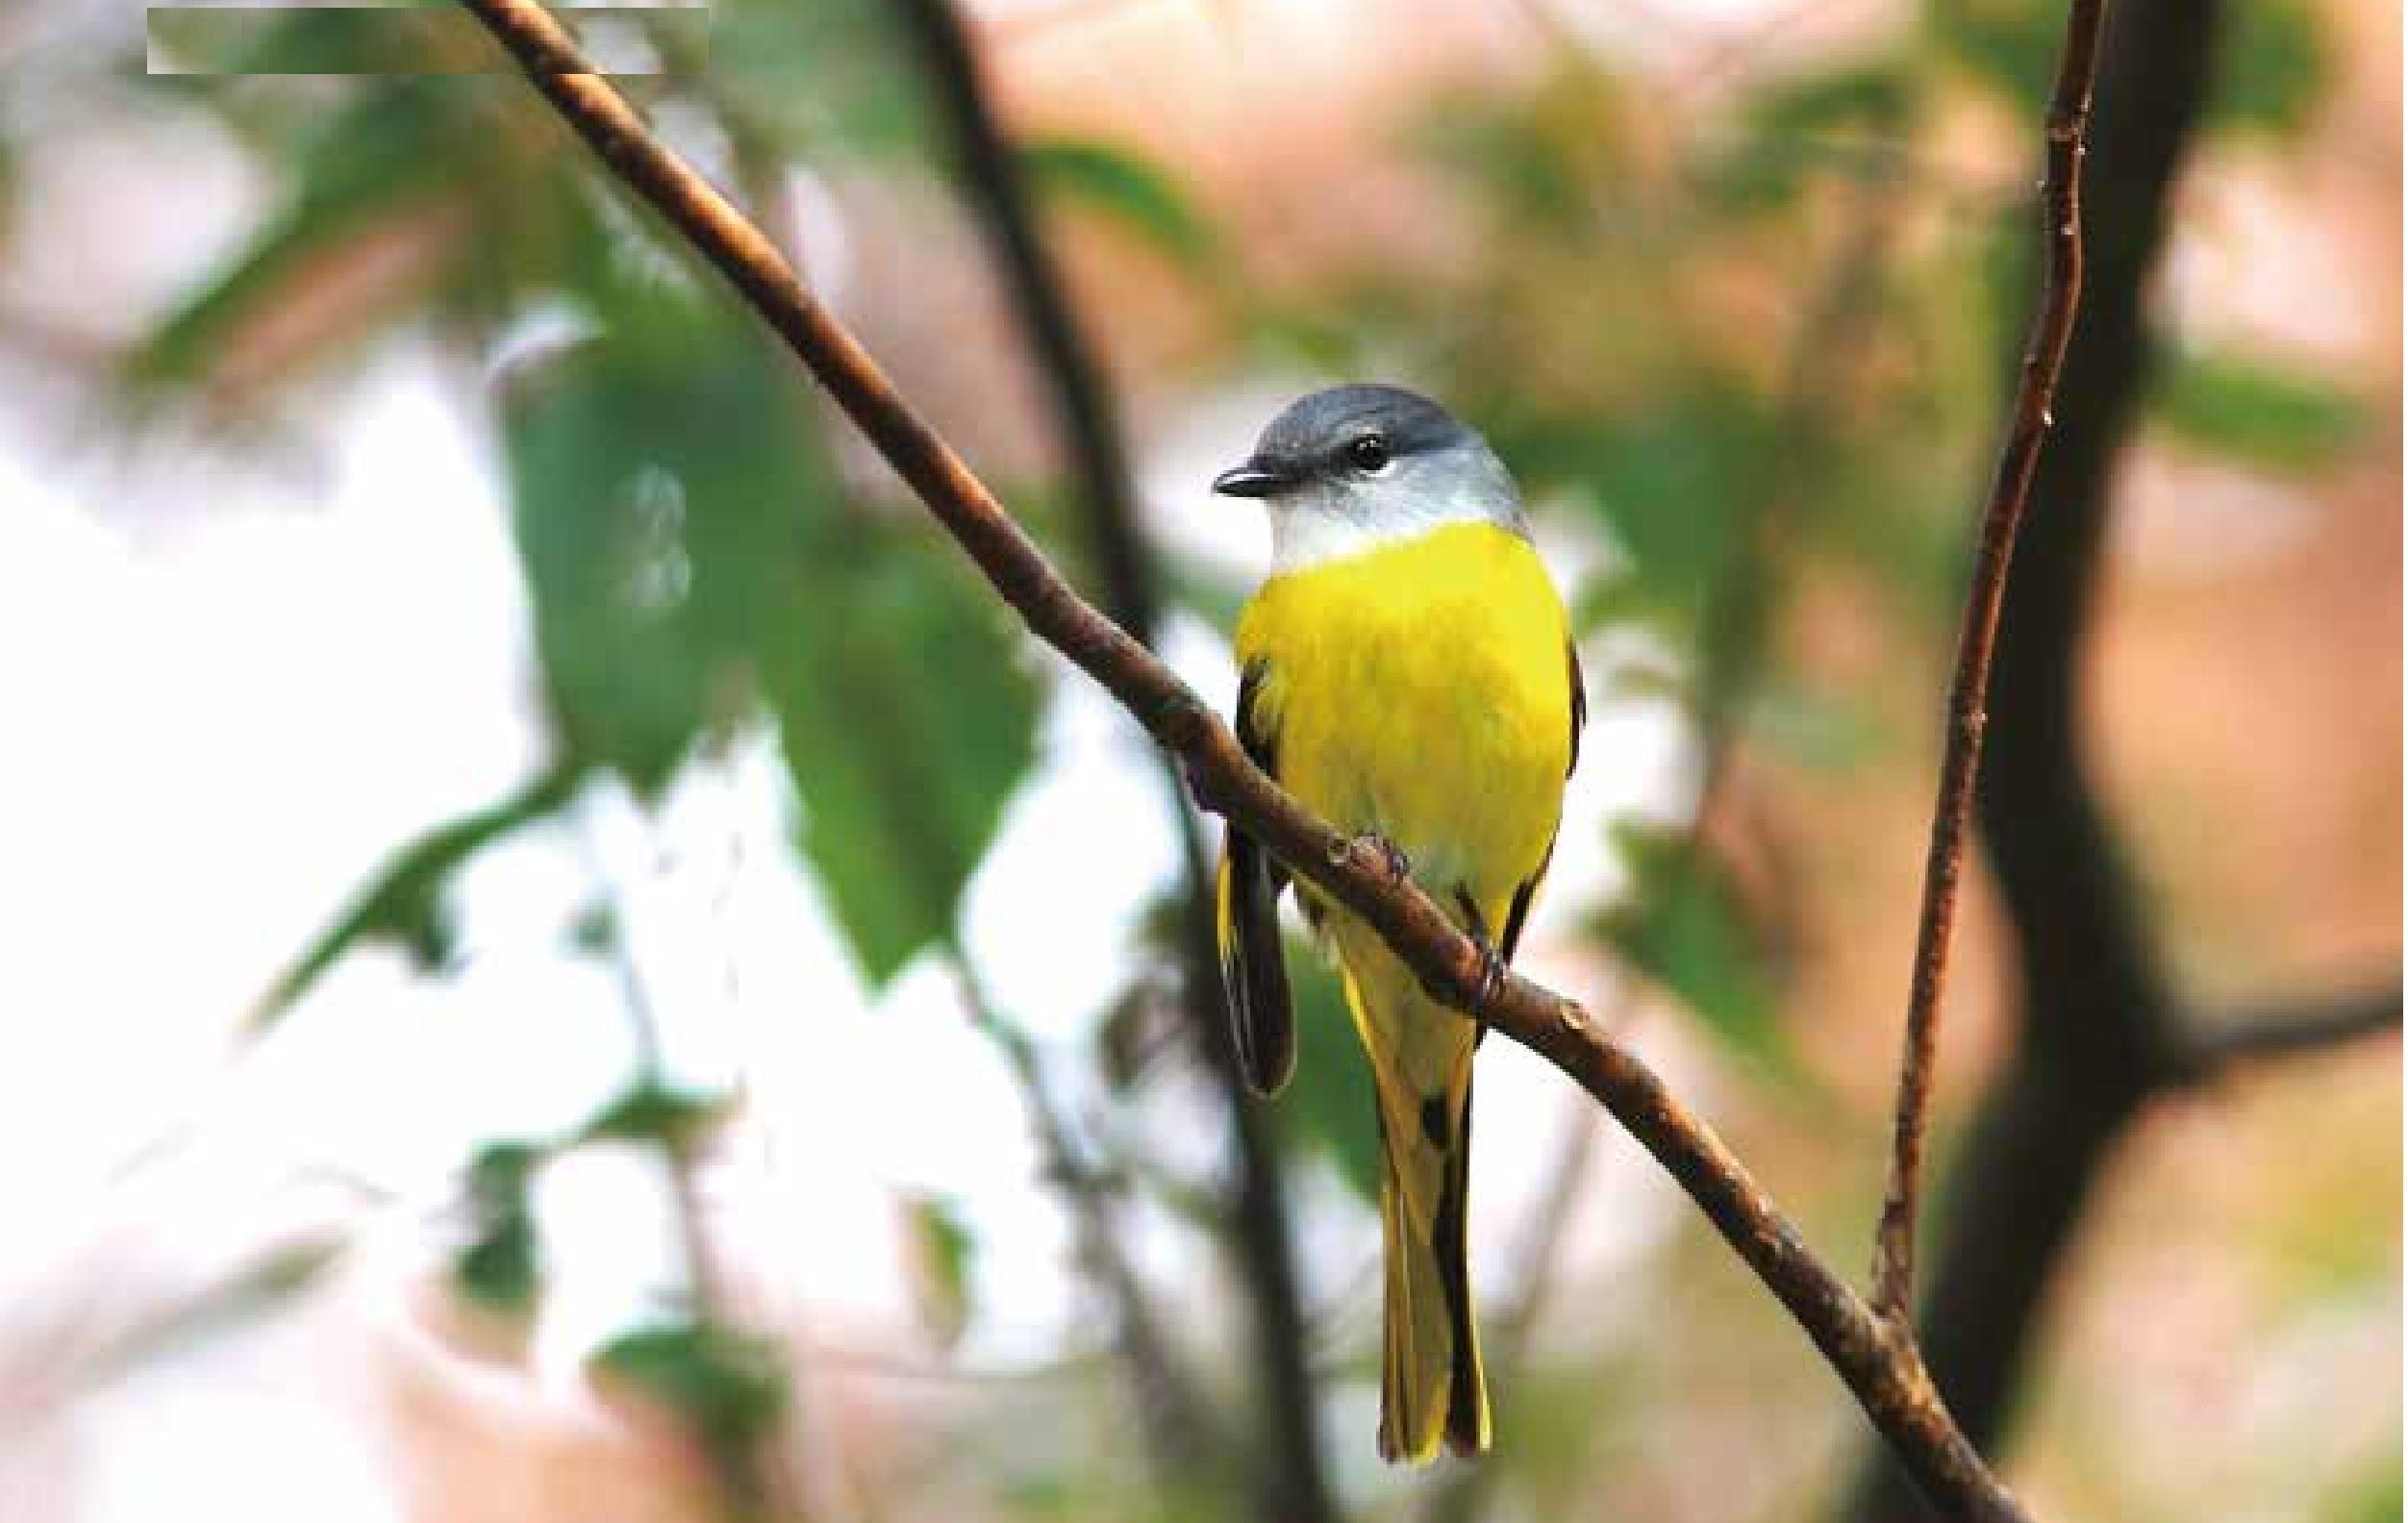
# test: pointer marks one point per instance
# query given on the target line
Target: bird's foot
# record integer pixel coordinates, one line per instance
(1493, 970)
(1392, 858)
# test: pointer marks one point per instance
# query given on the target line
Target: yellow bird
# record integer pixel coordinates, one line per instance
(1408, 674)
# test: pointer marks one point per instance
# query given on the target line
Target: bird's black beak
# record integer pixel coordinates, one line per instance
(1253, 479)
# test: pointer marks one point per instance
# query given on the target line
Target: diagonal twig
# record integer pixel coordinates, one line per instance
(2067, 128)
(1873, 1356)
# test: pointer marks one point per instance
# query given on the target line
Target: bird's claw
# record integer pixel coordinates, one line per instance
(1392, 858)
(1493, 970)
(1492, 974)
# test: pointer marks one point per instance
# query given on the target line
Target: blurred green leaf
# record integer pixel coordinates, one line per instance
(498, 1268)
(689, 555)
(1763, 171)
(1048, 1493)
(1851, 93)
(731, 1386)
(907, 717)
(499, 1174)
(2374, 1498)
(634, 666)
(262, 1288)
(594, 930)
(2009, 45)
(1118, 184)
(828, 81)
(941, 1250)
(664, 479)
(1816, 729)
(1541, 162)
(403, 904)
(649, 1111)
(1682, 926)
(388, 40)
(1672, 478)
(386, 159)
(2272, 65)
(2255, 410)
(1330, 1101)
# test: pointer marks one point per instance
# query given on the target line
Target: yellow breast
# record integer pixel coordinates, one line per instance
(1420, 690)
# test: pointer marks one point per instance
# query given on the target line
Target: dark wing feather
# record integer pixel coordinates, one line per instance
(1519, 912)
(1580, 704)
(1261, 1018)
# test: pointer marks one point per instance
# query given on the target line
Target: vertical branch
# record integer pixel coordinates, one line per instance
(755, 1478)
(1178, 1429)
(1085, 420)
(2068, 129)
(2098, 1020)
(1091, 441)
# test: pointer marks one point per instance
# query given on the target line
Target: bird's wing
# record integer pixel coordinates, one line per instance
(1262, 1018)
(1520, 911)
(1580, 703)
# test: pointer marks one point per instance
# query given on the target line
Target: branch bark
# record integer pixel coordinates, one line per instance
(2099, 1035)
(1873, 1356)
(1296, 1485)
(2068, 130)
(2289, 1031)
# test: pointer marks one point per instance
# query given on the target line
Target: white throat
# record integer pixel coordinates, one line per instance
(1316, 531)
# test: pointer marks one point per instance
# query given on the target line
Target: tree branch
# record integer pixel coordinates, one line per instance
(1872, 1356)
(1082, 414)
(2097, 1036)
(757, 1479)
(1295, 1486)
(2068, 130)
(2289, 1031)
(1178, 1431)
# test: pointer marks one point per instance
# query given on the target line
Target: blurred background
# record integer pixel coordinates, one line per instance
(567, 962)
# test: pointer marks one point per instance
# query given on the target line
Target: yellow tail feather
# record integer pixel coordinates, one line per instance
(1432, 1389)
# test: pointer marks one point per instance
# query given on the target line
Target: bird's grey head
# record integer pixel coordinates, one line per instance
(1350, 469)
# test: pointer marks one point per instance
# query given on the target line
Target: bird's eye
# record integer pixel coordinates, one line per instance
(1367, 452)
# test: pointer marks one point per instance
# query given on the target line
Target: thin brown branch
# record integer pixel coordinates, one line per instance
(2096, 1038)
(1296, 1485)
(2068, 130)
(2292, 1030)
(1873, 1357)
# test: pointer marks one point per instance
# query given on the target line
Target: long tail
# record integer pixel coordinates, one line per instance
(1431, 1385)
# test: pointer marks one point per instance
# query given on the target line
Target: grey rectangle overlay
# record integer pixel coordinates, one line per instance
(626, 41)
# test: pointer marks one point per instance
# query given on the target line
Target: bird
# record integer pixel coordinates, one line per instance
(1408, 672)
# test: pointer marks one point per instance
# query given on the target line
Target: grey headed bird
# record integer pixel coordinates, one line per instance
(1408, 674)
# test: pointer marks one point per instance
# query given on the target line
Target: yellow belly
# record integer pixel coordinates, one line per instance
(1422, 690)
